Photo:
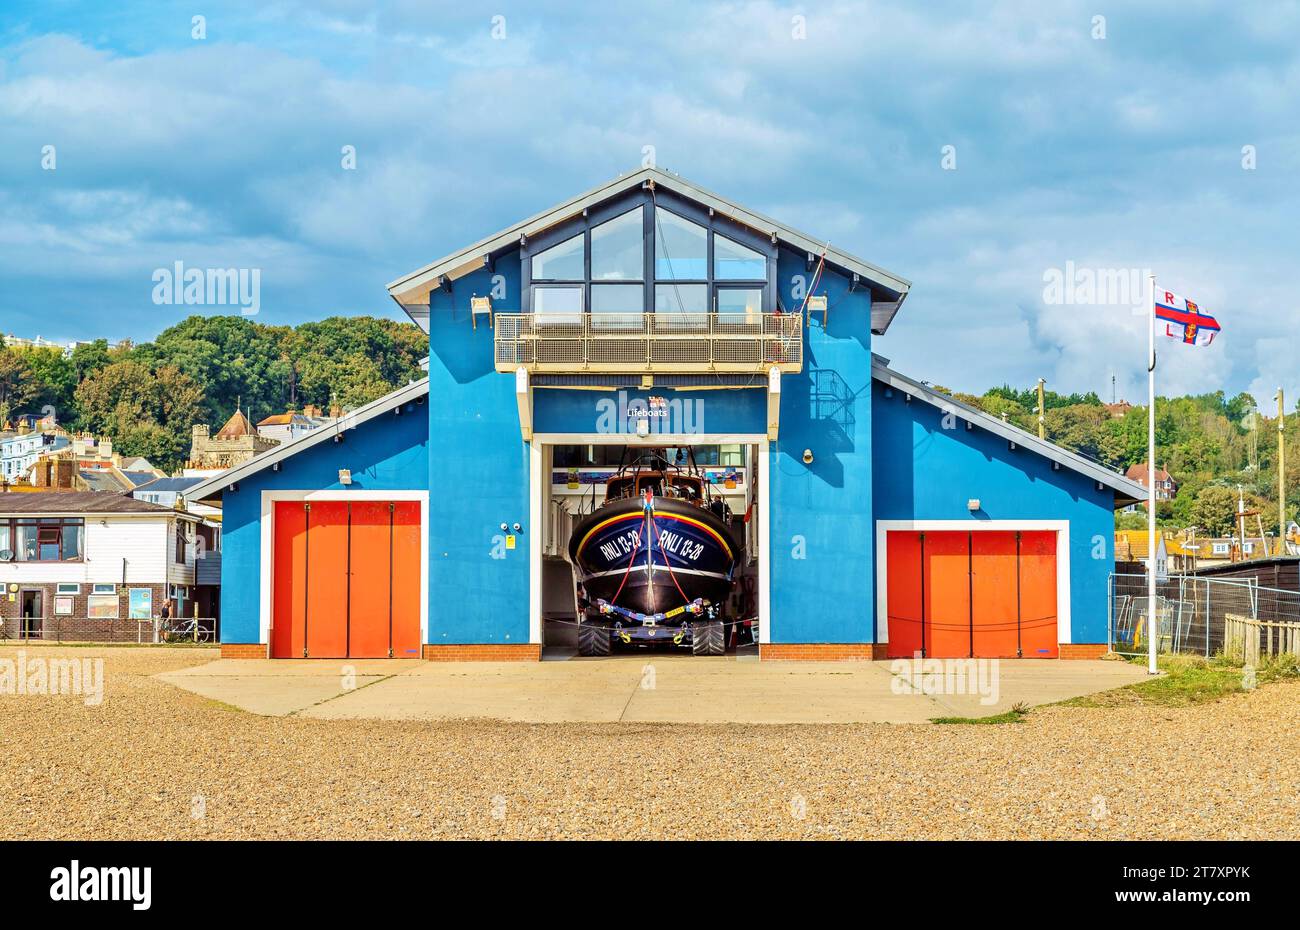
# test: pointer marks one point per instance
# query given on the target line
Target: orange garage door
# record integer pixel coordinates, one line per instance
(346, 579)
(988, 594)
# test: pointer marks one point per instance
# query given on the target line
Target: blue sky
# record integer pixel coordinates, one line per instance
(1115, 152)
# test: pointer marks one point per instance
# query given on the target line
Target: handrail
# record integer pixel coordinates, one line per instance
(648, 342)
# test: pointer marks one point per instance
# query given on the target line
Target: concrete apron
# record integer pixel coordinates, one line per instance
(637, 688)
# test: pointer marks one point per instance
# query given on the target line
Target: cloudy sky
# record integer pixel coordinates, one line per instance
(1111, 136)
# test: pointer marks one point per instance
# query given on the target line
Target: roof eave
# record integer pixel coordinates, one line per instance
(411, 290)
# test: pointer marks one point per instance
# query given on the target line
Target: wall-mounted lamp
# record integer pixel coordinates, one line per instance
(973, 505)
(807, 456)
(345, 476)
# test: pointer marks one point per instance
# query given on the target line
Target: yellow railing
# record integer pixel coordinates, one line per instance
(648, 342)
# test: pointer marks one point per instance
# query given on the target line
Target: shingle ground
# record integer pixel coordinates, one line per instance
(153, 761)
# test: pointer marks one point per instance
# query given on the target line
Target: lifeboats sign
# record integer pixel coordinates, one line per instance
(638, 416)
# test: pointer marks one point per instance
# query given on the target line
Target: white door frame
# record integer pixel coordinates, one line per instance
(271, 498)
(536, 491)
(1060, 527)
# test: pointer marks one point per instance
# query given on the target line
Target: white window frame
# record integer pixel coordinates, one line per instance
(99, 588)
(67, 587)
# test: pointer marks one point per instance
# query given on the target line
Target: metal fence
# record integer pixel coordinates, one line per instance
(1192, 612)
(95, 630)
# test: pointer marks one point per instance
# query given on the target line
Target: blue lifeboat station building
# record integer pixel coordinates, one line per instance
(879, 517)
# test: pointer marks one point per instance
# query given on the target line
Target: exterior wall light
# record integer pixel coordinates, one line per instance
(345, 476)
(807, 456)
(973, 505)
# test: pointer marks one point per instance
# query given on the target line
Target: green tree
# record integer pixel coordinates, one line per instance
(146, 412)
(235, 360)
(90, 357)
(1214, 510)
(18, 385)
(353, 359)
(55, 380)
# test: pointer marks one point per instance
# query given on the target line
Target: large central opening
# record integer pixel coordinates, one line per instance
(648, 545)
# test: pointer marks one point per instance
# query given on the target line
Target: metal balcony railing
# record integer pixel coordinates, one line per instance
(649, 342)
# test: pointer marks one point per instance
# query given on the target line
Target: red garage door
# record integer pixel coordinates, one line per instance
(346, 579)
(989, 594)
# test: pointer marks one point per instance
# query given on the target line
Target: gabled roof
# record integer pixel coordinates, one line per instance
(412, 290)
(212, 488)
(180, 485)
(1126, 491)
(1135, 545)
(104, 479)
(1138, 472)
(65, 502)
(279, 419)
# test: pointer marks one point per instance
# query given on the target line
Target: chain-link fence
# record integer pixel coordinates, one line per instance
(97, 630)
(1192, 613)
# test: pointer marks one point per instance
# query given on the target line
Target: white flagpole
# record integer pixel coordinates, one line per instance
(1151, 475)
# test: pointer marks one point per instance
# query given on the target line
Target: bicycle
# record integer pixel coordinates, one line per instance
(179, 630)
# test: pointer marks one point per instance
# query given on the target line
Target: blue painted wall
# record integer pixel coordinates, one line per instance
(823, 589)
(386, 453)
(926, 472)
(477, 470)
(730, 411)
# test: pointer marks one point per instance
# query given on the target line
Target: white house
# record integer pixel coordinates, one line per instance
(286, 427)
(67, 557)
(19, 451)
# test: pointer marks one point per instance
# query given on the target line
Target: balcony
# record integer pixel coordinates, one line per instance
(647, 342)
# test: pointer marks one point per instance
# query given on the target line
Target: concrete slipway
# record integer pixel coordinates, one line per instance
(636, 688)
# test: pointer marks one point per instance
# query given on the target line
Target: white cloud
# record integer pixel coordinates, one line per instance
(1069, 149)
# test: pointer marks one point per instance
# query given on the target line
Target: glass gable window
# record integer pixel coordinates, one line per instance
(603, 265)
(557, 300)
(681, 298)
(740, 300)
(734, 262)
(681, 248)
(618, 249)
(562, 262)
(695, 265)
(617, 298)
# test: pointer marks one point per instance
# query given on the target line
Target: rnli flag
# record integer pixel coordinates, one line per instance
(1184, 320)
